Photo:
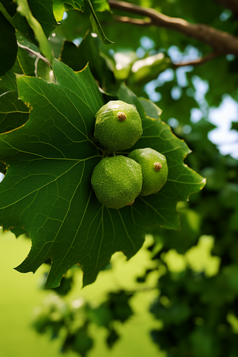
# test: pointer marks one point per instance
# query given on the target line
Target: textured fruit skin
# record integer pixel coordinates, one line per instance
(113, 133)
(153, 180)
(117, 181)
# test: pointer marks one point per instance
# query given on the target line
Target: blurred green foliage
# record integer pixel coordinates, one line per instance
(197, 267)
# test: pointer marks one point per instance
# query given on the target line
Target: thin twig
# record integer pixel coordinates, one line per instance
(222, 42)
(36, 67)
(35, 54)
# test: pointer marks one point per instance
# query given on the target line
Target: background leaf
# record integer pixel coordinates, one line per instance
(40, 36)
(96, 24)
(77, 58)
(8, 45)
(77, 5)
(58, 9)
(101, 5)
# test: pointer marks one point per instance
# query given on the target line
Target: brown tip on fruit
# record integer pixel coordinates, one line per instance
(121, 116)
(157, 166)
(129, 204)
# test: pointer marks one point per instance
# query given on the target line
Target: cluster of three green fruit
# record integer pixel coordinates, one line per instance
(117, 180)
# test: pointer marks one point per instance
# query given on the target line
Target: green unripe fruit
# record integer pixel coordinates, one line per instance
(118, 125)
(154, 169)
(117, 181)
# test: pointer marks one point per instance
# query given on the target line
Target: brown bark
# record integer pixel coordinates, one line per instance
(221, 42)
(198, 61)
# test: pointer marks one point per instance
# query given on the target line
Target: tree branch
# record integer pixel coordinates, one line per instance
(197, 62)
(129, 20)
(221, 42)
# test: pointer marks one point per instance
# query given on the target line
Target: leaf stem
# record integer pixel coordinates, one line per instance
(6, 14)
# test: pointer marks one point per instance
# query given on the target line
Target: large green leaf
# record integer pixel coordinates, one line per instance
(47, 190)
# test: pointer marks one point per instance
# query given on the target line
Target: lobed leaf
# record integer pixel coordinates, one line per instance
(47, 191)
